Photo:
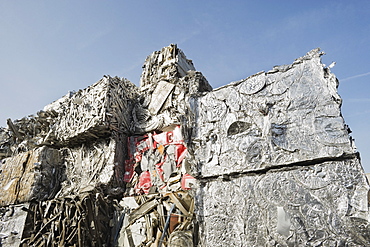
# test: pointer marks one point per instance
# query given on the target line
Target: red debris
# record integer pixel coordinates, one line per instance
(144, 183)
(186, 181)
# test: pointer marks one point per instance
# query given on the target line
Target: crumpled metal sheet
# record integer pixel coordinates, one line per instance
(160, 95)
(315, 205)
(271, 119)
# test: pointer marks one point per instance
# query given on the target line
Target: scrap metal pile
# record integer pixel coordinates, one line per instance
(265, 161)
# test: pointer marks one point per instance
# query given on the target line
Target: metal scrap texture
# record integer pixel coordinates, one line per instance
(264, 161)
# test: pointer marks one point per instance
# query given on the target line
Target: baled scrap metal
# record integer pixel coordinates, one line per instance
(88, 166)
(271, 119)
(272, 154)
(85, 167)
(12, 221)
(291, 206)
(90, 115)
(93, 112)
(160, 151)
(27, 133)
(76, 118)
(31, 175)
(276, 163)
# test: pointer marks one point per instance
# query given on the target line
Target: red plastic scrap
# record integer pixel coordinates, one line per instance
(181, 152)
(170, 137)
(144, 184)
(142, 145)
(161, 138)
(138, 157)
(186, 181)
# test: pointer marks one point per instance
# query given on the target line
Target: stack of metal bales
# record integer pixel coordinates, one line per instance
(265, 161)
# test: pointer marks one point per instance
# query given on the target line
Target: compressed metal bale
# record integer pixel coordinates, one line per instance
(320, 204)
(12, 224)
(271, 119)
(33, 175)
(94, 112)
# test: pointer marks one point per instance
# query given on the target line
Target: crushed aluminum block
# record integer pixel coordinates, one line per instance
(169, 63)
(271, 119)
(92, 113)
(90, 166)
(76, 118)
(12, 223)
(314, 205)
(31, 175)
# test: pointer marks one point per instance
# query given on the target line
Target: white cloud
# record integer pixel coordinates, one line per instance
(361, 100)
(355, 76)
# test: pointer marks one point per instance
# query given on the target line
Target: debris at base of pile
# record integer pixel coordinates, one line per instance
(82, 220)
(151, 220)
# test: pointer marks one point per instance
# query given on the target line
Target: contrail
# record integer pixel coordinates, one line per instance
(355, 76)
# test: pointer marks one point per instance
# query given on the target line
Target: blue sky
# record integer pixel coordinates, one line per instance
(48, 48)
